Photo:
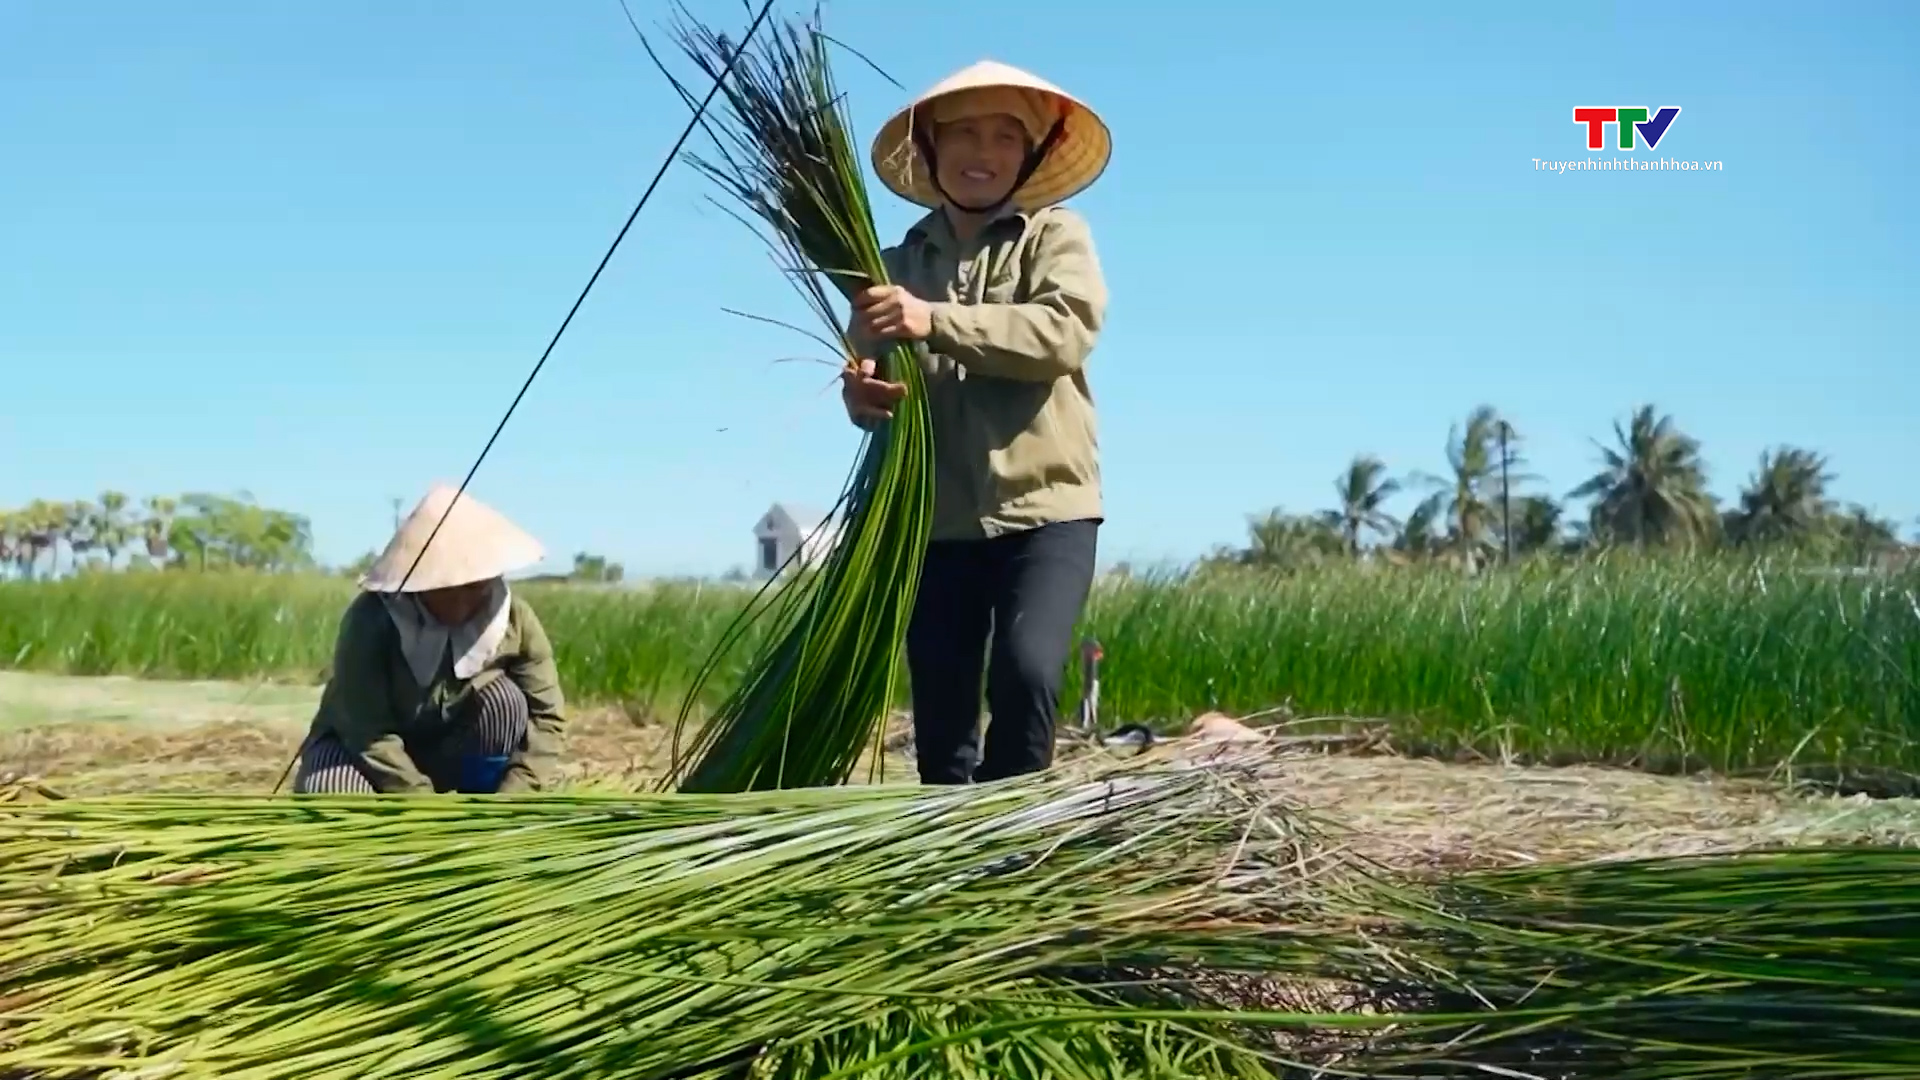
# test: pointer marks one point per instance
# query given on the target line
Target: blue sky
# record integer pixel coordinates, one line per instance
(310, 251)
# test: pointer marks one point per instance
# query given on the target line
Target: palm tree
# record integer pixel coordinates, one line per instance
(1364, 488)
(81, 538)
(1536, 524)
(110, 529)
(1785, 501)
(1419, 537)
(1465, 498)
(1861, 535)
(1281, 540)
(1652, 488)
(43, 525)
(159, 527)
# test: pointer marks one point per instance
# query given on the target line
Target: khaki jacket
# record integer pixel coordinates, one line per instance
(375, 707)
(1015, 315)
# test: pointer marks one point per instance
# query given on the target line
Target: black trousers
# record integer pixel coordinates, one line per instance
(1026, 590)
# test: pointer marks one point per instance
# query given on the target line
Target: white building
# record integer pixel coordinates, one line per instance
(787, 528)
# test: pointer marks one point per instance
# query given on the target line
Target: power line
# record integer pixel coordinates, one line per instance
(699, 114)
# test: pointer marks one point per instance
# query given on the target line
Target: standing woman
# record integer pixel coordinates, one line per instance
(443, 679)
(1002, 285)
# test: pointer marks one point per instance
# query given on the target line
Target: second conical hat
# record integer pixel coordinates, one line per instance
(1076, 160)
(474, 543)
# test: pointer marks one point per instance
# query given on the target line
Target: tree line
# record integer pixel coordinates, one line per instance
(193, 531)
(186, 532)
(1650, 491)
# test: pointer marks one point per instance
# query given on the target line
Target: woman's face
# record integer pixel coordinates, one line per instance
(456, 605)
(980, 157)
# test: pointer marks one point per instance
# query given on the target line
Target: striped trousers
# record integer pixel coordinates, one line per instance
(471, 758)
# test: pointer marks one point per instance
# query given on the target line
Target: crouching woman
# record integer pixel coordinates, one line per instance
(443, 680)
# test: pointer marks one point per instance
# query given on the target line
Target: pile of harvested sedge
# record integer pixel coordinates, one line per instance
(651, 935)
(1147, 919)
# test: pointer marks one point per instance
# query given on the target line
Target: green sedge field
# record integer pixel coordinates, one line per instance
(1739, 667)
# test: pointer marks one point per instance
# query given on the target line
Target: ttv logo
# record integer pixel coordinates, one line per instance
(1628, 121)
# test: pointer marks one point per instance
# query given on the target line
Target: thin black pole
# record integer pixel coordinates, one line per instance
(1506, 498)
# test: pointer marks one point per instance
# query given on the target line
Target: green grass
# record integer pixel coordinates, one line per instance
(1665, 664)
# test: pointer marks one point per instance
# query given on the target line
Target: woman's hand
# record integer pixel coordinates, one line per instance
(889, 311)
(866, 397)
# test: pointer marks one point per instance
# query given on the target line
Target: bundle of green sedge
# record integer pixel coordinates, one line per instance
(1794, 964)
(850, 931)
(817, 693)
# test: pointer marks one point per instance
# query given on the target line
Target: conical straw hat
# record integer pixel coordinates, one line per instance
(476, 543)
(1077, 159)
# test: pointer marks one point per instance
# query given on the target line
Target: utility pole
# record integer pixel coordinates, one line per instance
(1506, 498)
(396, 513)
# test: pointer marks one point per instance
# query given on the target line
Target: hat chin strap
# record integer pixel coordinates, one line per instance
(924, 142)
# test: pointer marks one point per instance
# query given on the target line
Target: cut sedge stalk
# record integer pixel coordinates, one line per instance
(817, 693)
